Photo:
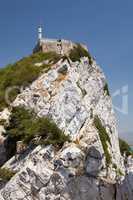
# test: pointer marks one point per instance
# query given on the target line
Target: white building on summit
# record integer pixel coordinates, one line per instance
(59, 46)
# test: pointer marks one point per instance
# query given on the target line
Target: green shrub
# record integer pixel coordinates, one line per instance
(25, 126)
(20, 122)
(78, 52)
(106, 89)
(22, 73)
(125, 148)
(6, 174)
(104, 137)
(2, 122)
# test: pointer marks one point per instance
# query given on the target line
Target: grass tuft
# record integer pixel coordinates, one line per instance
(104, 137)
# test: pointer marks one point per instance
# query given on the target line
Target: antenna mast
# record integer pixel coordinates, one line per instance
(40, 33)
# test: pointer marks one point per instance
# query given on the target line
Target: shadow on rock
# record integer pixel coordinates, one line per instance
(93, 162)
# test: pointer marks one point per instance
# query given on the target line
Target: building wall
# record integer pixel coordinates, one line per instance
(59, 46)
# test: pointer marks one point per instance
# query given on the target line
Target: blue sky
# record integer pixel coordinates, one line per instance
(106, 27)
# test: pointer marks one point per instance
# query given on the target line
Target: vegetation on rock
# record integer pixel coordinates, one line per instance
(106, 89)
(25, 126)
(2, 122)
(78, 52)
(119, 172)
(104, 137)
(23, 73)
(6, 174)
(82, 90)
(125, 148)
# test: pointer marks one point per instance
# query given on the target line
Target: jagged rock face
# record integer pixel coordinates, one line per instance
(4, 116)
(125, 189)
(45, 175)
(72, 94)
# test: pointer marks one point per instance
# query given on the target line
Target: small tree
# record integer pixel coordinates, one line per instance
(125, 148)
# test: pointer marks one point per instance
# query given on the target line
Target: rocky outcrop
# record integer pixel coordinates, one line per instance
(125, 188)
(4, 117)
(72, 94)
(43, 174)
(46, 174)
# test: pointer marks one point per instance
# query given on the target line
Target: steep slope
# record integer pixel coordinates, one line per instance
(75, 95)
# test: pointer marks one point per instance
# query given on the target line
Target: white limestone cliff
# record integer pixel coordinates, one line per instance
(72, 94)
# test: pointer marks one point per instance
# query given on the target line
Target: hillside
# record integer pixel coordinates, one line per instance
(23, 73)
(59, 133)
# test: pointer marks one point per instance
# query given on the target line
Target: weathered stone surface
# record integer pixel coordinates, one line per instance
(125, 187)
(71, 94)
(5, 114)
(93, 162)
(43, 175)
(4, 119)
